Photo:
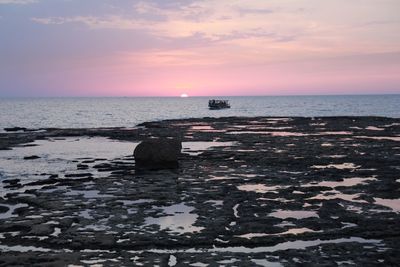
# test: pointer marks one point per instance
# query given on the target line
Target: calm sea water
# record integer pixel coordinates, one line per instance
(128, 112)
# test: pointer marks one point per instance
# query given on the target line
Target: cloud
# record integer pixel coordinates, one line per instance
(18, 2)
(213, 20)
(245, 11)
(255, 31)
(109, 22)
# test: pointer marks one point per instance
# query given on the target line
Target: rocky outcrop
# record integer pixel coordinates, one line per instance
(161, 153)
(31, 157)
(15, 129)
(42, 230)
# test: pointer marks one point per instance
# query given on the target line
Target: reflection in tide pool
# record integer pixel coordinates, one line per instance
(266, 263)
(394, 204)
(205, 128)
(260, 188)
(298, 244)
(297, 214)
(337, 166)
(196, 148)
(179, 219)
(294, 231)
(348, 182)
(387, 138)
(57, 155)
(334, 194)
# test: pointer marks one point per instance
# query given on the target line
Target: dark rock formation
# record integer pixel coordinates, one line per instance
(15, 129)
(4, 209)
(42, 230)
(31, 157)
(159, 153)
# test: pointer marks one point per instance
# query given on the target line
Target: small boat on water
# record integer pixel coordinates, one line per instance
(218, 104)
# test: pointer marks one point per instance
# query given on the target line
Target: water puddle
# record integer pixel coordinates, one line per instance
(259, 188)
(54, 156)
(201, 128)
(219, 178)
(19, 248)
(282, 134)
(384, 138)
(196, 148)
(290, 134)
(318, 124)
(85, 214)
(392, 124)
(296, 214)
(373, 128)
(342, 166)
(348, 225)
(335, 156)
(206, 129)
(335, 133)
(346, 182)
(295, 245)
(280, 119)
(294, 231)
(334, 194)
(266, 263)
(135, 202)
(394, 204)
(285, 224)
(235, 211)
(178, 219)
(172, 260)
(228, 261)
(298, 244)
(218, 203)
(199, 264)
(327, 145)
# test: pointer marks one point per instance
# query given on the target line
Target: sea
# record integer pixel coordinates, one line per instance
(88, 112)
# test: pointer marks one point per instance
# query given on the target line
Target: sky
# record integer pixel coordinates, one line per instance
(198, 47)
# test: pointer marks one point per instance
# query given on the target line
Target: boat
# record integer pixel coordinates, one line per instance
(218, 104)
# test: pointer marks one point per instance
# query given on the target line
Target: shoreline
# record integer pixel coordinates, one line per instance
(14, 137)
(267, 193)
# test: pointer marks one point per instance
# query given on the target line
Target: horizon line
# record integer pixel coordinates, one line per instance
(198, 96)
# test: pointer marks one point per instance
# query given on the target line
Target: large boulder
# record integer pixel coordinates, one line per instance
(161, 153)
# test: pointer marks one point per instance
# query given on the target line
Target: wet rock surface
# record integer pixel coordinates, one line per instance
(249, 191)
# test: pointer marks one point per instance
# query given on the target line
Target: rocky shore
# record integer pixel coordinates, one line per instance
(248, 192)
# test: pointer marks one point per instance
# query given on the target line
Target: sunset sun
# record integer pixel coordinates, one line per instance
(184, 95)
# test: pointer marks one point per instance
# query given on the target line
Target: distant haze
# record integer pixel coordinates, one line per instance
(198, 47)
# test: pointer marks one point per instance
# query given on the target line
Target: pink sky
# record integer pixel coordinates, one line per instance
(199, 47)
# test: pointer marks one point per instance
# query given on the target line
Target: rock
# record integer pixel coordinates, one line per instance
(4, 209)
(31, 157)
(15, 129)
(159, 153)
(104, 240)
(78, 175)
(42, 229)
(11, 181)
(82, 167)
